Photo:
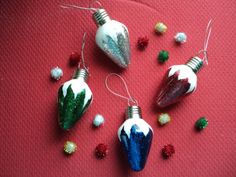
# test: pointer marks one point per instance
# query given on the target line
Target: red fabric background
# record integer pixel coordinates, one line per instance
(38, 35)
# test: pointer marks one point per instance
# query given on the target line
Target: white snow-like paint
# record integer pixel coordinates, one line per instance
(111, 28)
(142, 124)
(77, 85)
(185, 72)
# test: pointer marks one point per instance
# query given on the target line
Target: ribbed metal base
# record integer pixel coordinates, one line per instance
(133, 112)
(195, 64)
(81, 73)
(101, 17)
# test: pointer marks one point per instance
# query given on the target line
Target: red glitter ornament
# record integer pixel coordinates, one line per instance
(101, 151)
(142, 42)
(74, 58)
(168, 150)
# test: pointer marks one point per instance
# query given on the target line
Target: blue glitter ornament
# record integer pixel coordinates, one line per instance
(136, 136)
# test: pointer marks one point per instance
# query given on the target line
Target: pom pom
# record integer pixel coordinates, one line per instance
(98, 120)
(74, 58)
(164, 118)
(101, 151)
(181, 37)
(70, 147)
(160, 28)
(201, 123)
(163, 56)
(142, 42)
(168, 150)
(56, 73)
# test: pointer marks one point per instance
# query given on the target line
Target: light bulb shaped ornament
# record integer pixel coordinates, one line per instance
(74, 96)
(181, 80)
(135, 134)
(112, 37)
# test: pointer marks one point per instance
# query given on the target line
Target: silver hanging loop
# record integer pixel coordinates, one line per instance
(206, 41)
(82, 70)
(82, 54)
(90, 8)
(71, 6)
(130, 99)
(95, 2)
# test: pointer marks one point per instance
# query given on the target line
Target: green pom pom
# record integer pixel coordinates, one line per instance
(163, 56)
(201, 123)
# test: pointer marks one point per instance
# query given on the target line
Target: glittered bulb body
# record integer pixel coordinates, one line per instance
(136, 136)
(74, 97)
(180, 81)
(112, 37)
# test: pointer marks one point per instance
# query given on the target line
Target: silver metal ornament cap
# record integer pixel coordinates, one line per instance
(81, 73)
(133, 112)
(101, 17)
(195, 63)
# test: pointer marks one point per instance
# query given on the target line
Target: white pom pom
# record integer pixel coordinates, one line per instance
(164, 118)
(56, 73)
(98, 120)
(181, 37)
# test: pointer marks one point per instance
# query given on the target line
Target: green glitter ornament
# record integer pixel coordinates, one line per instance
(201, 123)
(163, 56)
(74, 98)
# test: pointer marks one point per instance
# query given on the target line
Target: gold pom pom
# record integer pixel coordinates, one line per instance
(70, 147)
(160, 28)
(164, 118)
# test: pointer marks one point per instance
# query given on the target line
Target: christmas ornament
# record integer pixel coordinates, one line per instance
(167, 151)
(163, 56)
(160, 28)
(70, 147)
(74, 96)
(142, 42)
(201, 123)
(164, 118)
(134, 134)
(112, 37)
(101, 151)
(74, 58)
(56, 73)
(180, 37)
(98, 120)
(181, 80)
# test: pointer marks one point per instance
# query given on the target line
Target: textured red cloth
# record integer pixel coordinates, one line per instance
(38, 35)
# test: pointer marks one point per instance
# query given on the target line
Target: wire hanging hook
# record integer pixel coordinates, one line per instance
(90, 8)
(82, 54)
(70, 6)
(206, 41)
(95, 2)
(129, 98)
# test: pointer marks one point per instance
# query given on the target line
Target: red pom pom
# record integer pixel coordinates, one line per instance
(101, 151)
(142, 42)
(74, 58)
(168, 150)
